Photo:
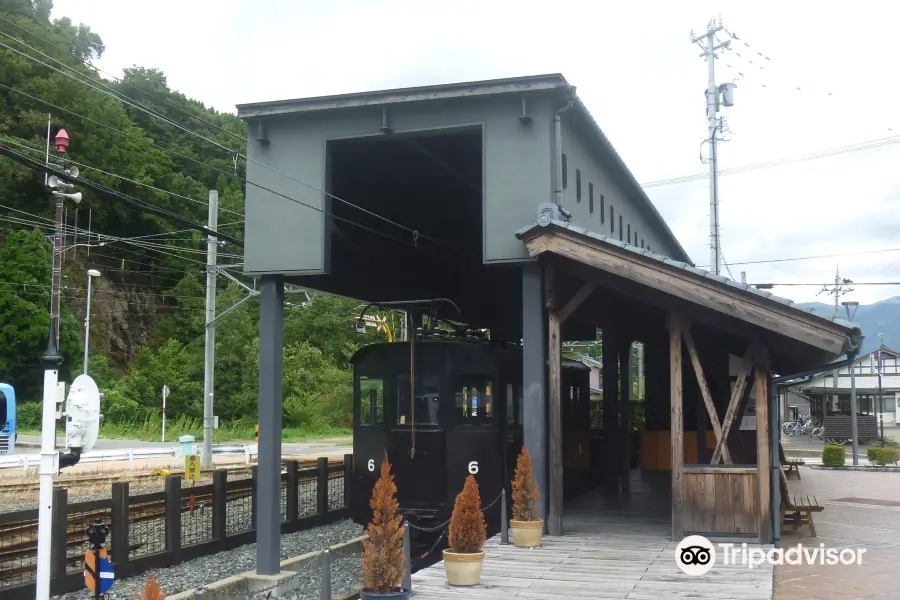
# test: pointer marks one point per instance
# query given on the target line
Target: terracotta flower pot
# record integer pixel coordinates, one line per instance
(527, 534)
(463, 568)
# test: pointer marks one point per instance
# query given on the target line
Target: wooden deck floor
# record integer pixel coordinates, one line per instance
(611, 548)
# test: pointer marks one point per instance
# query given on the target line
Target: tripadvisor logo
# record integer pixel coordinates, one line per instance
(696, 555)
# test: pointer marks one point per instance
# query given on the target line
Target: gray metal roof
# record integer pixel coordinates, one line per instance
(743, 287)
(410, 94)
(531, 83)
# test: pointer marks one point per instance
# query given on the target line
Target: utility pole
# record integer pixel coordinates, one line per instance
(62, 144)
(854, 428)
(838, 290)
(880, 396)
(210, 341)
(714, 123)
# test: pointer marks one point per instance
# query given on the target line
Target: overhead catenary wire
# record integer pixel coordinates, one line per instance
(796, 258)
(867, 145)
(68, 229)
(211, 167)
(122, 177)
(415, 233)
(100, 188)
(90, 64)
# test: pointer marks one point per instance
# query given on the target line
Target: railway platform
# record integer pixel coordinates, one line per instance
(611, 547)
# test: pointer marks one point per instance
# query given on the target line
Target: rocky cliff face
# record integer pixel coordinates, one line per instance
(122, 308)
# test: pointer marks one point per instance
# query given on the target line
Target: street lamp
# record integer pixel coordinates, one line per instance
(848, 304)
(87, 319)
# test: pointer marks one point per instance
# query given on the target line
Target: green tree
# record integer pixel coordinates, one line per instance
(25, 277)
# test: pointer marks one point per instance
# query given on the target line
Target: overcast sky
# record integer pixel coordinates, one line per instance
(636, 70)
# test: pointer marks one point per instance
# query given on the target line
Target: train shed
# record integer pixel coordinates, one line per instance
(488, 193)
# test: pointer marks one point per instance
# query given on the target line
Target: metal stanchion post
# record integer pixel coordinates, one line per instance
(407, 562)
(504, 524)
(325, 562)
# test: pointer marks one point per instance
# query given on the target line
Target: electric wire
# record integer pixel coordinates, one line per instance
(763, 66)
(90, 64)
(122, 177)
(796, 258)
(867, 145)
(203, 164)
(102, 189)
(415, 233)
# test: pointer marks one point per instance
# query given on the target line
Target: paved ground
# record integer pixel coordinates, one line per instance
(862, 510)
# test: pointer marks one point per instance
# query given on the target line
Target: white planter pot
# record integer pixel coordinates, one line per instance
(526, 534)
(463, 568)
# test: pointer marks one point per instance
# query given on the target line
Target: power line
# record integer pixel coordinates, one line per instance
(415, 233)
(795, 258)
(762, 65)
(203, 164)
(99, 188)
(122, 81)
(827, 284)
(867, 145)
(117, 176)
(68, 229)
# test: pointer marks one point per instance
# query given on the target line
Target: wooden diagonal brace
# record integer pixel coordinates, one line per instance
(704, 391)
(733, 404)
(572, 305)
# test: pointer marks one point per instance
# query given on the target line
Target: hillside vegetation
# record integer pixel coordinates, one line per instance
(147, 320)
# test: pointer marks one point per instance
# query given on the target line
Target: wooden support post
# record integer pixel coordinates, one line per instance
(292, 491)
(610, 412)
(554, 409)
(704, 392)
(173, 518)
(761, 391)
(348, 479)
(322, 485)
(627, 388)
(677, 421)
(119, 527)
(219, 504)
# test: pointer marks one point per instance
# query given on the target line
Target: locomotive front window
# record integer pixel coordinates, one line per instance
(428, 389)
(371, 401)
(474, 402)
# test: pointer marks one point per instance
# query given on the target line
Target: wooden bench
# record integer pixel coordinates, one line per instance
(798, 512)
(792, 465)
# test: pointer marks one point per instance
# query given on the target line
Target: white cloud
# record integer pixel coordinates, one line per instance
(636, 70)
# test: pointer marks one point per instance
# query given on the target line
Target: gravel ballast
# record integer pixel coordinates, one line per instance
(189, 575)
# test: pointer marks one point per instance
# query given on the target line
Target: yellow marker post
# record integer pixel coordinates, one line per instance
(192, 467)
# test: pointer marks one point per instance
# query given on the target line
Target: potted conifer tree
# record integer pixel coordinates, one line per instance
(527, 528)
(465, 557)
(383, 549)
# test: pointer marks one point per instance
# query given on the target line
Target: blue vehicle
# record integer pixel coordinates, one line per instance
(7, 419)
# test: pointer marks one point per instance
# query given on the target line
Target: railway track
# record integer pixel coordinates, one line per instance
(18, 540)
(70, 482)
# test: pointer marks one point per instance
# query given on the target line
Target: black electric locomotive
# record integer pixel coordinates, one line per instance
(465, 418)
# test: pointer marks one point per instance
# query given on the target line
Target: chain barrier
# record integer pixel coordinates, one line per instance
(437, 542)
(447, 522)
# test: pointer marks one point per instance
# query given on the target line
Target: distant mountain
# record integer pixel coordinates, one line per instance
(883, 316)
